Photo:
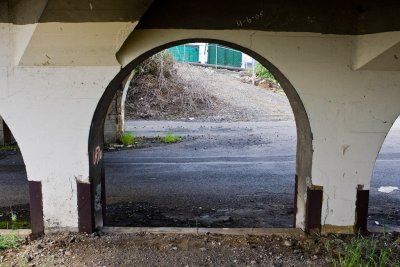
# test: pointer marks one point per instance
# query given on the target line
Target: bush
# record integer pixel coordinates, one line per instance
(128, 138)
(262, 72)
(170, 138)
(160, 63)
(163, 89)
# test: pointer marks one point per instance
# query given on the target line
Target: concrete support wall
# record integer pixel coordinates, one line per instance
(49, 110)
(45, 94)
(350, 112)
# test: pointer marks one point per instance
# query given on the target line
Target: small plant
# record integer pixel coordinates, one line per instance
(128, 138)
(9, 241)
(9, 148)
(365, 251)
(170, 138)
(13, 219)
(262, 72)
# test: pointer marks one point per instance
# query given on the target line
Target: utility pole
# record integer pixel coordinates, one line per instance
(253, 71)
(184, 53)
(216, 56)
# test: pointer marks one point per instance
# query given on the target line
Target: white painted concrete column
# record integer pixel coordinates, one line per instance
(49, 110)
(56, 105)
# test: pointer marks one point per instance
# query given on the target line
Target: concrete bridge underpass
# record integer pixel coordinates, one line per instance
(61, 63)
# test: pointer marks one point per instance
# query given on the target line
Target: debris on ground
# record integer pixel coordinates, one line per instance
(164, 89)
(146, 249)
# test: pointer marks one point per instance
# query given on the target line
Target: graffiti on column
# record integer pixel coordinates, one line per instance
(97, 155)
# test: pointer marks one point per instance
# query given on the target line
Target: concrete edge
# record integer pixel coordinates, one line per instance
(380, 229)
(54, 230)
(223, 231)
(18, 232)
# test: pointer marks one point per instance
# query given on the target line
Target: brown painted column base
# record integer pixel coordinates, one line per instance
(313, 210)
(36, 209)
(362, 211)
(85, 208)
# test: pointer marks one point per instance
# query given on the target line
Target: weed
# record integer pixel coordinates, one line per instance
(9, 241)
(128, 138)
(365, 251)
(19, 224)
(13, 219)
(170, 138)
(9, 148)
(262, 72)
(13, 222)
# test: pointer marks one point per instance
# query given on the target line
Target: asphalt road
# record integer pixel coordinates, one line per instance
(222, 175)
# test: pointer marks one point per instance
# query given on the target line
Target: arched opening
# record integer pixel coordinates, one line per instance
(384, 193)
(14, 187)
(307, 216)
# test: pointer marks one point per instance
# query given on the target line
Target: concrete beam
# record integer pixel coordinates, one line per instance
(74, 44)
(23, 12)
(377, 52)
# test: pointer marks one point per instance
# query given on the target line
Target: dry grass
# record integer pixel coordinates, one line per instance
(158, 91)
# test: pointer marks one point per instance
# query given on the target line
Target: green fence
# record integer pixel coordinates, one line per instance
(185, 53)
(226, 56)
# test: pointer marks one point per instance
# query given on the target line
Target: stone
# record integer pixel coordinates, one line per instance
(288, 243)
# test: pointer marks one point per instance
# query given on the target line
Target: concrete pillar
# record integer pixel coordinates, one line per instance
(49, 110)
(114, 123)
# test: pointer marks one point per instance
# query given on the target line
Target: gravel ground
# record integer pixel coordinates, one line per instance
(145, 249)
(228, 97)
(239, 101)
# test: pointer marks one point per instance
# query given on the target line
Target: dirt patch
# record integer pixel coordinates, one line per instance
(174, 91)
(241, 215)
(146, 249)
(159, 91)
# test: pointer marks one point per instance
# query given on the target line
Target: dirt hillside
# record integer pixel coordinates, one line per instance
(182, 91)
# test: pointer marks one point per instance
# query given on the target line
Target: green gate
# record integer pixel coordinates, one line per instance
(185, 53)
(226, 56)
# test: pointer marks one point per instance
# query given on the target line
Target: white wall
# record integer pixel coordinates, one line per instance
(49, 108)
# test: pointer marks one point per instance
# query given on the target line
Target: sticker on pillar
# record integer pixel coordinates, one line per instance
(97, 199)
(97, 155)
